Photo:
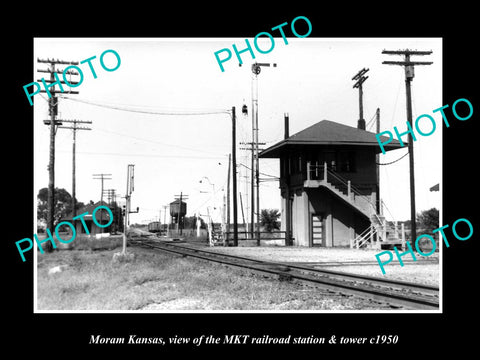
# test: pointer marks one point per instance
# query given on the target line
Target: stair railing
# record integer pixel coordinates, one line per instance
(350, 189)
(322, 172)
(363, 238)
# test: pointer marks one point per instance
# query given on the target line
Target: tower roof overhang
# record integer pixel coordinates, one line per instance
(330, 133)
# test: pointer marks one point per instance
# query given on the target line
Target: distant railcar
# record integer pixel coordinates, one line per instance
(154, 227)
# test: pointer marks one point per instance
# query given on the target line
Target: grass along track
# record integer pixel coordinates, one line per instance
(391, 292)
(156, 281)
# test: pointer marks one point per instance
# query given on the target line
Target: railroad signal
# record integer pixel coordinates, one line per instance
(256, 68)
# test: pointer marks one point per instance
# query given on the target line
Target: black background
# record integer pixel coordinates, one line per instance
(418, 333)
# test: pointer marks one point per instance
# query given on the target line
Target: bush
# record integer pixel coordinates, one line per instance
(269, 219)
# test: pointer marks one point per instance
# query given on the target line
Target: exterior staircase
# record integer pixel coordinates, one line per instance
(381, 233)
(387, 233)
(217, 237)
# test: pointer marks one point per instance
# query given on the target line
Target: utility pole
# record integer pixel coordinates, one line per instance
(102, 177)
(228, 201)
(247, 208)
(108, 193)
(243, 215)
(53, 122)
(234, 179)
(128, 194)
(165, 218)
(409, 74)
(111, 200)
(111, 196)
(256, 69)
(74, 128)
(252, 177)
(377, 161)
(288, 207)
(360, 79)
(252, 183)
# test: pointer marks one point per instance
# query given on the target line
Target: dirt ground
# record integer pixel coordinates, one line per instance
(424, 270)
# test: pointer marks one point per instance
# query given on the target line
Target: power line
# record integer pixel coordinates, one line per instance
(273, 176)
(173, 113)
(149, 155)
(156, 142)
(370, 123)
(392, 162)
(196, 113)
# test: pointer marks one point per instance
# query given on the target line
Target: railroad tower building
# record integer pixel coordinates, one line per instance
(329, 184)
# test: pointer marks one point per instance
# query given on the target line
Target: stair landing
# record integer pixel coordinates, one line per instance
(365, 210)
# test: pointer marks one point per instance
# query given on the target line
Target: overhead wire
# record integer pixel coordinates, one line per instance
(273, 176)
(170, 112)
(155, 142)
(146, 155)
(370, 123)
(385, 172)
(245, 132)
(392, 162)
(180, 113)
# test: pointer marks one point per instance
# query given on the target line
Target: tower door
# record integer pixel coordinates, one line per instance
(317, 238)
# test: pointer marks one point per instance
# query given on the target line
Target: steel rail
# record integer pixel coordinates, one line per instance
(394, 292)
(389, 282)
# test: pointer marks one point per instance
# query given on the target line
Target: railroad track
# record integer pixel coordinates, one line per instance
(361, 263)
(397, 294)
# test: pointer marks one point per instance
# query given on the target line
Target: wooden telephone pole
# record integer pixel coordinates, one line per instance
(102, 177)
(360, 79)
(409, 74)
(227, 215)
(377, 167)
(252, 183)
(74, 128)
(53, 122)
(128, 194)
(234, 179)
(112, 204)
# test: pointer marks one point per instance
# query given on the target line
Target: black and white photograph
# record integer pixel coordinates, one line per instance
(259, 187)
(229, 180)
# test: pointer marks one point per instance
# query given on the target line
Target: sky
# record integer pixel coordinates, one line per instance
(165, 110)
